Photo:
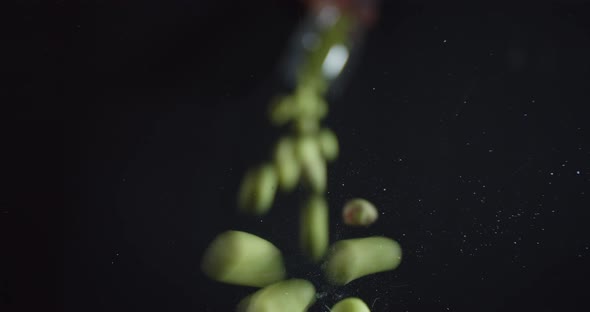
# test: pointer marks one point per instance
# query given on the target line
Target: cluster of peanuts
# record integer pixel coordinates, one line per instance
(300, 157)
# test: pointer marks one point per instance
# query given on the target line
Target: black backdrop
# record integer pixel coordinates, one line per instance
(465, 124)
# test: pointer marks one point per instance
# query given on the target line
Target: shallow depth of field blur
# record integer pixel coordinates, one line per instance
(464, 123)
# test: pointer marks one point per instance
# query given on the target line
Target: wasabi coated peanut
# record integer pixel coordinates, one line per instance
(286, 163)
(281, 110)
(305, 126)
(328, 144)
(240, 258)
(353, 258)
(312, 162)
(306, 104)
(246, 190)
(310, 104)
(313, 79)
(313, 230)
(294, 295)
(359, 212)
(258, 190)
(350, 305)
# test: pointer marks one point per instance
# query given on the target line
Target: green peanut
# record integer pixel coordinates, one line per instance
(294, 295)
(288, 167)
(281, 110)
(328, 144)
(350, 259)
(314, 166)
(240, 258)
(314, 234)
(350, 305)
(258, 190)
(305, 126)
(310, 104)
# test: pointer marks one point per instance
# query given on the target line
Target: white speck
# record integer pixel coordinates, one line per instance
(532, 101)
(514, 242)
(525, 114)
(373, 88)
(112, 262)
(445, 41)
(384, 189)
(578, 172)
(490, 150)
(550, 173)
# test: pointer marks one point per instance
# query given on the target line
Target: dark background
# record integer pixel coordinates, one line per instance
(466, 124)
